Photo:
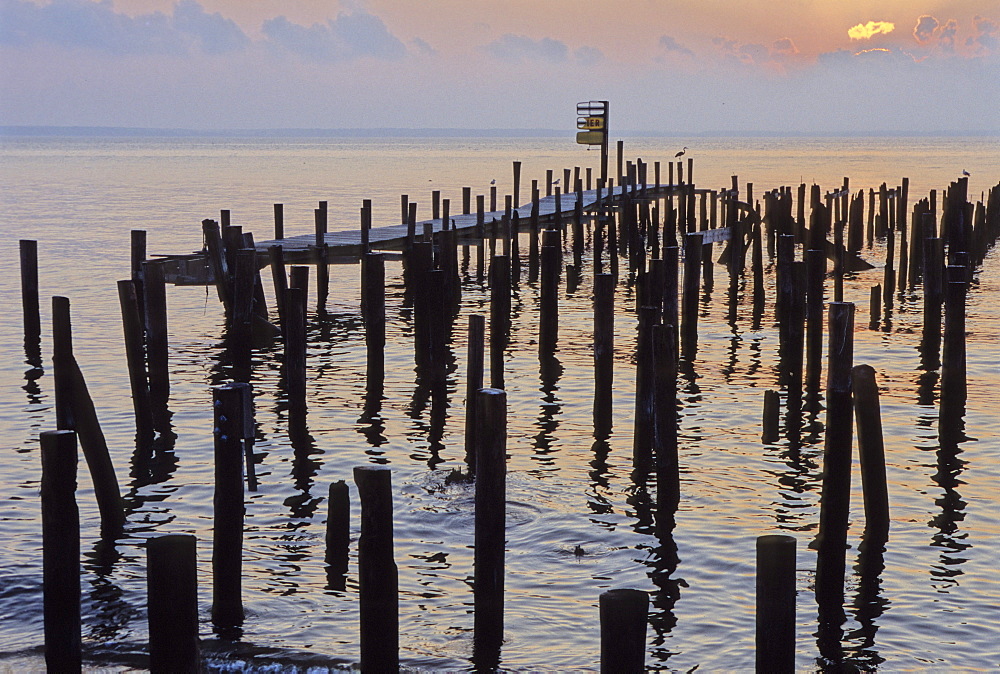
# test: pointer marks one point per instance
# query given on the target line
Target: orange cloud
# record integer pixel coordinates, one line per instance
(923, 32)
(873, 51)
(866, 31)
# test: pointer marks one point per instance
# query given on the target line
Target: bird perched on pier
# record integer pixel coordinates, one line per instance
(966, 173)
(493, 182)
(556, 181)
(681, 153)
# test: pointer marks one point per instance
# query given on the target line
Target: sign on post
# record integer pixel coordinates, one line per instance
(592, 120)
(592, 117)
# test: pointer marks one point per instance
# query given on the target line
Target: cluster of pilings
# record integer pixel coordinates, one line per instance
(665, 242)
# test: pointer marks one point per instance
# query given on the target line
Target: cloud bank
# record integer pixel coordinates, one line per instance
(82, 62)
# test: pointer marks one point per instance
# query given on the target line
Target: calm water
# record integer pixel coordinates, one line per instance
(935, 608)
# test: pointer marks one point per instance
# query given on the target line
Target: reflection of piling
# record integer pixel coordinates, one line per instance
(227, 542)
(491, 472)
(775, 604)
(832, 539)
(60, 551)
(172, 595)
(378, 578)
(623, 630)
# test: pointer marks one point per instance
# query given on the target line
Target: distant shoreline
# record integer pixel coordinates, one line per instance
(137, 132)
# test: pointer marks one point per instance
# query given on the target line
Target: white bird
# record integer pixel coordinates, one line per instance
(680, 153)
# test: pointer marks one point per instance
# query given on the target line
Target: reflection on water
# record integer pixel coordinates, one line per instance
(569, 486)
(951, 540)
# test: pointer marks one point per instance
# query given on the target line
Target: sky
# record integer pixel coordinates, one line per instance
(683, 66)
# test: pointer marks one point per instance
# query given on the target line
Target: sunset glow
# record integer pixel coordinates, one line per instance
(387, 63)
(866, 31)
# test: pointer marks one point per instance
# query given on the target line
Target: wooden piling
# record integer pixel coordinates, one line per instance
(953, 352)
(933, 299)
(60, 551)
(75, 411)
(668, 490)
(217, 260)
(366, 224)
(30, 302)
(135, 358)
(871, 452)
(815, 303)
(692, 287)
(517, 184)
(775, 586)
(295, 354)
(548, 320)
(172, 600)
(499, 317)
(623, 631)
(157, 355)
(835, 499)
(279, 222)
(645, 382)
(757, 264)
(338, 531)
(378, 578)
(473, 382)
(138, 256)
(279, 279)
(322, 258)
(241, 317)
(227, 541)
(604, 343)
(772, 407)
(490, 541)
(374, 314)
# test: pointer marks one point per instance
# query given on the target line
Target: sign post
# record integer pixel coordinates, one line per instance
(592, 120)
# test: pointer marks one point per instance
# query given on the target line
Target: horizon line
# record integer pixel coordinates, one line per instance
(443, 132)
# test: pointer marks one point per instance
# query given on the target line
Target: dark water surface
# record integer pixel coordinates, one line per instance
(935, 605)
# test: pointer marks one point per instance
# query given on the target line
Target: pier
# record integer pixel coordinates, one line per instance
(472, 228)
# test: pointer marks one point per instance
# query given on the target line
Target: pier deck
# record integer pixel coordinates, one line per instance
(346, 246)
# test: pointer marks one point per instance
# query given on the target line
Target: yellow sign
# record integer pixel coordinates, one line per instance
(590, 137)
(590, 123)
